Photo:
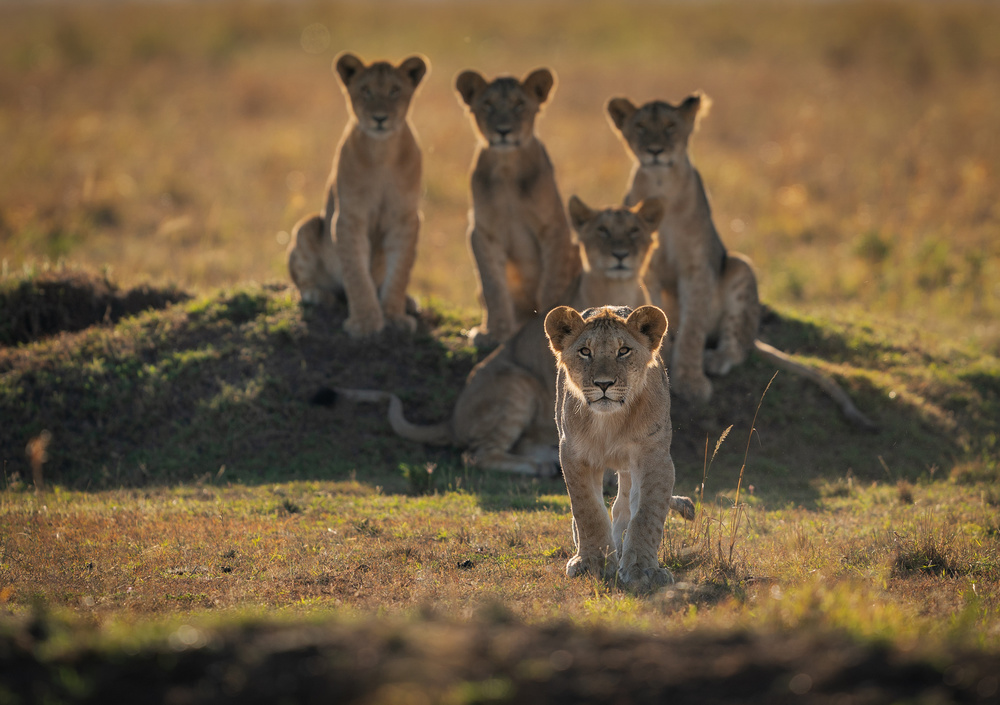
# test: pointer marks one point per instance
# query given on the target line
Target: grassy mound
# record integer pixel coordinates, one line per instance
(219, 386)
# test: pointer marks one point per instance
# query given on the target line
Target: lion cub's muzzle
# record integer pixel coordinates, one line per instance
(606, 395)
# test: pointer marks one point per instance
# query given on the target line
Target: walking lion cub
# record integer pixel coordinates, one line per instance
(365, 245)
(613, 411)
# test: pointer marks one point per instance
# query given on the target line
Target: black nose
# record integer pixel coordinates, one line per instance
(503, 131)
(604, 384)
(621, 256)
(380, 119)
(655, 151)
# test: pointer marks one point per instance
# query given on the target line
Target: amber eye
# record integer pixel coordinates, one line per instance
(366, 93)
(394, 92)
(518, 108)
(584, 352)
(623, 351)
(603, 232)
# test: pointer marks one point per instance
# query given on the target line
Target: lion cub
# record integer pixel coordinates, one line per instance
(503, 416)
(365, 245)
(710, 293)
(519, 237)
(613, 411)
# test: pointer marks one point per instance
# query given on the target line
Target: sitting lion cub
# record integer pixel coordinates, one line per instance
(519, 237)
(503, 416)
(365, 246)
(613, 411)
(708, 293)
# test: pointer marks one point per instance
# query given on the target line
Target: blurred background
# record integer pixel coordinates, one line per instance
(851, 149)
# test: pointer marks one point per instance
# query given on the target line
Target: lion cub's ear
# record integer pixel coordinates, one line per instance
(562, 326)
(415, 69)
(650, 212)
(647, 323)
(469, 85)
(620, 110)
(348, 66)
(538, 84)
(694, 108)
(579, 213)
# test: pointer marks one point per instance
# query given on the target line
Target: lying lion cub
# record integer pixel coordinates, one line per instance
(503, 416)
(613, 411)
(708, 293)
(520, 240)
(364, 247)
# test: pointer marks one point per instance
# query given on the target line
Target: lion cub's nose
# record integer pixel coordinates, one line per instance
(604, 384)
(380, 119)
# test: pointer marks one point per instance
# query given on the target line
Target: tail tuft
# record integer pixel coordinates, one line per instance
(324, 396)
(683, 506)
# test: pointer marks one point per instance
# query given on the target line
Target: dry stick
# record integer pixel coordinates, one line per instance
(739, 484)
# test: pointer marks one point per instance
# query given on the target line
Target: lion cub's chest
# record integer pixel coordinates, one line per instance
(509, 202)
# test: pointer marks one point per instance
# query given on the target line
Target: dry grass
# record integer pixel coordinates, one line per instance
(849, 151)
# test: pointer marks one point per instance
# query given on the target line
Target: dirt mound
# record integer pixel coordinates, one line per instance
(70, 301)
(496, 662)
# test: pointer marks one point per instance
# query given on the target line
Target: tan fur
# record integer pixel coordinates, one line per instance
(519, 237)
(503, 417)
(710, 294)
(363, 244)
(613, 411)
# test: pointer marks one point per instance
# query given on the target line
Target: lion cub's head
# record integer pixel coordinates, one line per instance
(504, 110)
(380, 94)
(606, 353)
(617, 242)
(657, 133)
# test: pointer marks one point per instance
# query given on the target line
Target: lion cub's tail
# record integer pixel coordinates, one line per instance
(787, 363)
(683, 506)
(434, 434)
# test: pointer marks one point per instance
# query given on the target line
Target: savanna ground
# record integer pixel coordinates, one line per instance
(202, 532)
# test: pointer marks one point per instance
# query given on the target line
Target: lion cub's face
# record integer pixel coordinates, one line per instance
(380, 94)
(657, 133)
(606, 352)
(505, 110)
(616, 241)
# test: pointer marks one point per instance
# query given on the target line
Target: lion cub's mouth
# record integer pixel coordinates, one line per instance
(605, 403)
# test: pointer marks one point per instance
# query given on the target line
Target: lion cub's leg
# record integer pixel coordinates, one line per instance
(687, 367)
(639, 566)
(400, 252)
(621, 510)
(740, 316)
(312, 260)
(495, 410)
(499, 318)
(353, 246)
(595, 547)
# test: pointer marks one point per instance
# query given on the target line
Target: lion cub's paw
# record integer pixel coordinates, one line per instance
(363, 328)
(598, 566)
(692, 387)
(717, 363)
(405, 323)
(481, 339)
(644, 580)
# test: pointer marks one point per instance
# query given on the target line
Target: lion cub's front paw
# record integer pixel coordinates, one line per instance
(644, 580)
(363, 328)
(481, 339)
(692, 387)
(405, 323)
(598, 566)
(717, 363)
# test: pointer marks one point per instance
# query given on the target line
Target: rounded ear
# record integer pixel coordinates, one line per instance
(620, 110)
(415, 68)
(469, 85)
(539, 83)
(649, 323)
(348, 66)
(650, 212)
(694, 107)
(562, 325)
(579, 213)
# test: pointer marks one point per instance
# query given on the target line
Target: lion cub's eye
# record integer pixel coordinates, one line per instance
(603, 231)
(584, 352)
(623, 351)
(518, 108)
(489, 107)
(394, 92)
(633, 233)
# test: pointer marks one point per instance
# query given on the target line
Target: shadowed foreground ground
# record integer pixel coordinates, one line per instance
(494, 660)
